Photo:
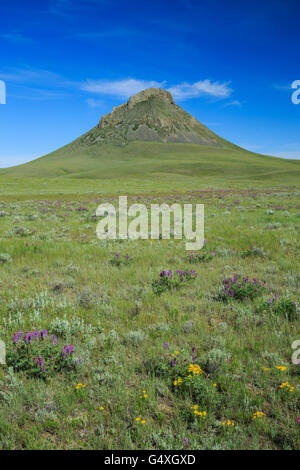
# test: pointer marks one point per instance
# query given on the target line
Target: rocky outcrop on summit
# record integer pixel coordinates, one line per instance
(151, 115)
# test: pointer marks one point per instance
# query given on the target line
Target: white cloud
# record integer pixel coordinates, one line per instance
(186, 90)
(234, 103)
(121, 88)
(127, 87)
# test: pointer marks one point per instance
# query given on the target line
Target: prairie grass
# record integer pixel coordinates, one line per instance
(56, 275)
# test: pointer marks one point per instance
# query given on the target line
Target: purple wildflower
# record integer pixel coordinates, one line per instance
(186, 443)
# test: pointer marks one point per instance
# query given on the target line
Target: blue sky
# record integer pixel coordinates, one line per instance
(229, 63)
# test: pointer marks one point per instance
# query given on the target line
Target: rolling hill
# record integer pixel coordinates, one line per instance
(151, 137)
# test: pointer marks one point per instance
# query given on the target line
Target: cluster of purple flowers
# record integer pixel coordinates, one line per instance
(182, 274)
(172, 279)
(242, 289)
(29, 336)
(118, 260)
(40, 362)
(38, 348)
(201, 256)
(67, 350)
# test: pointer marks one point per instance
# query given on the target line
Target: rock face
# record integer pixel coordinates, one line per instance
(151, 115)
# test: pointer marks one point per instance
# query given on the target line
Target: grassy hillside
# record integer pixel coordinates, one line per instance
(145, 144)
(154, 165)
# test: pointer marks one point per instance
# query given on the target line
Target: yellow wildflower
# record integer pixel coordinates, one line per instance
(228, 423)
(258, 414)
(195, 369)
(177, 382)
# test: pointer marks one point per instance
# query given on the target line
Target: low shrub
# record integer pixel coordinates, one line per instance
(201, 257)
(172, 280)
(234, 289)
(280, 307)
(40, 355)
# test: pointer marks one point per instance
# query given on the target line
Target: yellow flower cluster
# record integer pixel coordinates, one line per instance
(177, 382)
(101, 408)
(78, 386)
(286, 384)
(140, 420)
(282, 368)
(144, 394)
(195, 369)
(228, 423)
(197, 412)
(258, 414)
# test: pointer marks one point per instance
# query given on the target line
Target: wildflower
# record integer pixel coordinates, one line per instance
(266, 368)
(144, 394)
(140, 420)
(298, 420)
(228, 423)
(17, 336)
(287, 385)
(214, 385)
(186, 442)
(258, 415)
(282, 368)
(80, 385)
(166, 345)
(195, 369)
(101, 408)
(177, 382)
(44, 334)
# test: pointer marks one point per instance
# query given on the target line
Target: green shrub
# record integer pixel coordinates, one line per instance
(40, 356)
(169, 280)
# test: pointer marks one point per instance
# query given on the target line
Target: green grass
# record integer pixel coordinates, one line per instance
(58, 271)
(141, 166)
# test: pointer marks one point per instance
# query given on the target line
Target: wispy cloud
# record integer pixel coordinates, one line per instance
(45, 82)
(36, 84)
(234, 103)
(120, 88)
(127, 87)
(16, 37)
(185, 91)
(92, 103)
(29, 75)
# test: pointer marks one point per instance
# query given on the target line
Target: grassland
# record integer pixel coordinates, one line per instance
(146, 166)
(56, 275)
